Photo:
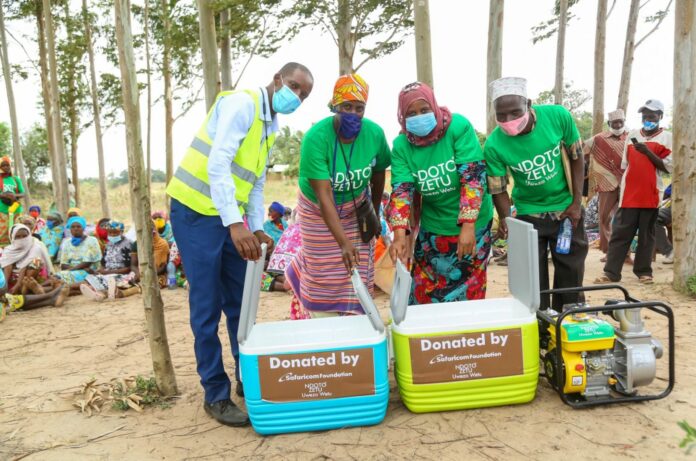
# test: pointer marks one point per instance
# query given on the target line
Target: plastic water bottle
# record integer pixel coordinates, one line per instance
(171, 275)
(565, 234)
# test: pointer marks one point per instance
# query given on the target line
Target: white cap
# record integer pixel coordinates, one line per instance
(654, 105)
(508, 86)
(617, 114)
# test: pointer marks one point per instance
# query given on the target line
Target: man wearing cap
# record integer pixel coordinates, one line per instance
(541, 148)
(604, 152)
(647, 153)
(219, 181)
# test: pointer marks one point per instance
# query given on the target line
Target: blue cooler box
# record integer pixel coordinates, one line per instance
(312, 375)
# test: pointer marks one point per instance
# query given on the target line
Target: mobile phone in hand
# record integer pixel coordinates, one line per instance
(634, 140)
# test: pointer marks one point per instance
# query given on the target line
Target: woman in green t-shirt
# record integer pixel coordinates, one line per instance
(12, 192)
(342, 162)
(439, 156)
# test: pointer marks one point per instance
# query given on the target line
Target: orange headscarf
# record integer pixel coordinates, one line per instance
(349, 87)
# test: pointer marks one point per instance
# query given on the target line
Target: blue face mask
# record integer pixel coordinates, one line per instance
(285, 101)
(350, 125)
(76, 241)
(421, 125)
(649, 126)
(115, 238)
(50, 224)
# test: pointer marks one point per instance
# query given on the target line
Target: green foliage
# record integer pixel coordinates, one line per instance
(379, 26)
(688, 443)
(286, 151)
(35, 154)
(140, 394)
(547, 29)
(691, 285)
(573, 100)
(5, 139)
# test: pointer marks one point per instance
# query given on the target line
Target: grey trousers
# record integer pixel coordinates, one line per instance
(628, 221)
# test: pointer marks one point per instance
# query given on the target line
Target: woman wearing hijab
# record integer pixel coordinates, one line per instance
(164, 228)
(342, 162)
(101, 232)
(276, 223)
(31, 224)
(79, 255)
(35, 212)
(12, 192)
(52, 234)
(23, 261)
(439, 156)
(72, 212)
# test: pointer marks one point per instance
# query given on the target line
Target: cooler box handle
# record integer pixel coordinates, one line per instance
(250, 296)
(400, 293)
(523, 263)
(367, 302)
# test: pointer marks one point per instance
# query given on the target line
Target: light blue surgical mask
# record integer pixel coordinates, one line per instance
(115, 238)
(421, 125)
(285, 101)
(649, 126)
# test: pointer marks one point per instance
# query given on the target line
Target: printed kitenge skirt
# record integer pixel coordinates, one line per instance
(316, 274)
(438, 277)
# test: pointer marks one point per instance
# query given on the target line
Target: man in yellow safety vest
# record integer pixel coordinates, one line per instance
(216, 188)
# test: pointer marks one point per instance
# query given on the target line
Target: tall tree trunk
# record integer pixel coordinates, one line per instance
(494, 60)
(72, 109)
(225, 52)
(345, 38)
(149, 92)
(424, 58)
(560, 52)
(168, 110)
(47, 99)
(60, 183)
(16, 144)
(599, 51)
(629, 49)
(106, 212)
(208, 52)
(683, 178)
(140, 205)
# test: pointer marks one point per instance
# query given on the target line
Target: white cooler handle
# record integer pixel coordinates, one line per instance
(250, 296)
(400, 293)
(366, 302)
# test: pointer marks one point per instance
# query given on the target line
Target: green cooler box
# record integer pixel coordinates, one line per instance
(471, 354)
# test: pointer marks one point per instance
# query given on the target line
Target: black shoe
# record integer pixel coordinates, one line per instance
(227, 413)
(239, 390)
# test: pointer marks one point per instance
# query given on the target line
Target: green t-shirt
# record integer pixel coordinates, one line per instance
(370, 152)
(14, 185)
(433, 170)
(534, 160)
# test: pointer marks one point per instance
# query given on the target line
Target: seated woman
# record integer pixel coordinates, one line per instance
(276, 224)
(52, 234)
(24, 264)
(79, 255)
(10, 303)
(101, 232)
(164, 228)
(160, 250)
(115, 274)
(35, 212)
(439, 156)
(31, 224)
(343, 160)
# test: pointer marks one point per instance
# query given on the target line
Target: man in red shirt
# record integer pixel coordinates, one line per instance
(647, 154)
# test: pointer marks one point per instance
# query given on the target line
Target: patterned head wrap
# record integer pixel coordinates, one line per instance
(350, 87)
(116, 225)
(5, 158)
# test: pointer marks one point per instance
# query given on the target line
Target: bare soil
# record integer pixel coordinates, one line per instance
(47, 353)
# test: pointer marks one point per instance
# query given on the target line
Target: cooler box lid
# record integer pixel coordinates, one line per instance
(311, 335)
(464, 316)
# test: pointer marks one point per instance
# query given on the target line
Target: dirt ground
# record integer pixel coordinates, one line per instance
(47, 353)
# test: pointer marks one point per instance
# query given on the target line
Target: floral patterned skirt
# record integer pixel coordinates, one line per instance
(438, 276)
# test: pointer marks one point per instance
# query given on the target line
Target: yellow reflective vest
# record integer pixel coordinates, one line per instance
(190, 184)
